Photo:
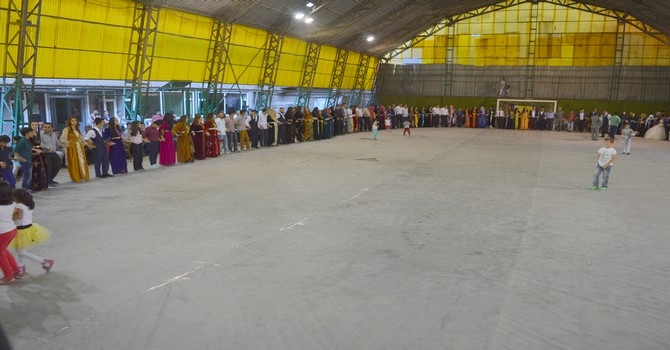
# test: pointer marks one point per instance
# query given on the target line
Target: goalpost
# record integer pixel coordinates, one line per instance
(549, 105)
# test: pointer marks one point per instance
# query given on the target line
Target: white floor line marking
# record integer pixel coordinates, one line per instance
(183, 276)
(300, 222)
(355, 196)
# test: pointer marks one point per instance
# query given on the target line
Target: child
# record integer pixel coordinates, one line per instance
(375, 130)
(24, 153)
(7, 233)
(387, 123)
(606, 158)
(406, 126)
(6, 164)
(15, 161)
(29, 233)
(628, 134)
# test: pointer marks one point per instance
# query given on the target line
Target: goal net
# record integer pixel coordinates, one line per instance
(510, 104)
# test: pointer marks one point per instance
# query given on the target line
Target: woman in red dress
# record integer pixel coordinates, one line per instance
(211, 137)
(198, 136)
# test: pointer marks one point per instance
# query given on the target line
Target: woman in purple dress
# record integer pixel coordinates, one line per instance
(198, 136)
(117, 153)
(167, 154)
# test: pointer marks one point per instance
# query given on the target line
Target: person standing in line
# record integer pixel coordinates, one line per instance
(6, 165)
(406, 125)
(596, 122)
(560, 120)
(117, 152)
(615, 120)
(231, 135)
(375, 130)
(152, 134)
(254, 130)
(628, 134)
(199, 138)
(570, 121)
(24, 154)
(136, 145)
(221, 133)
(10, 269)
(40, 181)
(184, 142)
(281, 120)
(73, 140)
(581, 120)
(273, 124)
(53, 151)
(99, 144)
(605, 128)
(28, 233)
(243, 126)
(606, 159)
(167, 152)
(263, 135)
(211, 136)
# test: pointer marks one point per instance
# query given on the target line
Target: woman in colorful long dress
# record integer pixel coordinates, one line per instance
(117, 153)
(198, 136)
(211, 136)
(73, 141)
(183, 132)
(166, 154)
(524, 119)
(308, 134)
(39, 180)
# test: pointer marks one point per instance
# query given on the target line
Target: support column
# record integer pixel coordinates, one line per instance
(270, 63)
(378, 85)
(532, 44)
(308, 70)
(449, 71)
(361, 77)
(219, 43)
(23, 24)
(615, 81)
(140, 58)
(338, 76)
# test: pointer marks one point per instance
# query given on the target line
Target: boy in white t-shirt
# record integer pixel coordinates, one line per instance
(606, 158)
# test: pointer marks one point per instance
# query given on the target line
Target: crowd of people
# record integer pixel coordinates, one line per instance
(40, 152)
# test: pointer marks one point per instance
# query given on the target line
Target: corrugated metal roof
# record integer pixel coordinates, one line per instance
(346, 23)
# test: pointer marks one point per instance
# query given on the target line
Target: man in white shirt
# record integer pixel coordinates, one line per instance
(263, 126)
(100, 156)
(53, 151)
(222, 135)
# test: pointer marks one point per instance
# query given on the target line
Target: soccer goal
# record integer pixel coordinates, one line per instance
(549, 105)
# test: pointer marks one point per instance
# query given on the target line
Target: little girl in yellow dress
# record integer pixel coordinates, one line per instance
(29, 233)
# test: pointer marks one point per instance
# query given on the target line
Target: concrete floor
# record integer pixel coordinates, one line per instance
(448, 239)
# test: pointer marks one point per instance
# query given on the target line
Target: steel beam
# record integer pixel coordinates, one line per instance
(532, 46)
(361, 78)
(378, 84)
(615, 80)
(308, 72)
(219, 43)
(450, 61)
(23, 27)
(337, 77)
(266, 85)
(140, 58)
(619, 15)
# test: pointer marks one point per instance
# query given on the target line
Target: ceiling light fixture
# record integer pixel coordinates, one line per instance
(370, 38)
(309, 4)
(299, 15)
(309, 20)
